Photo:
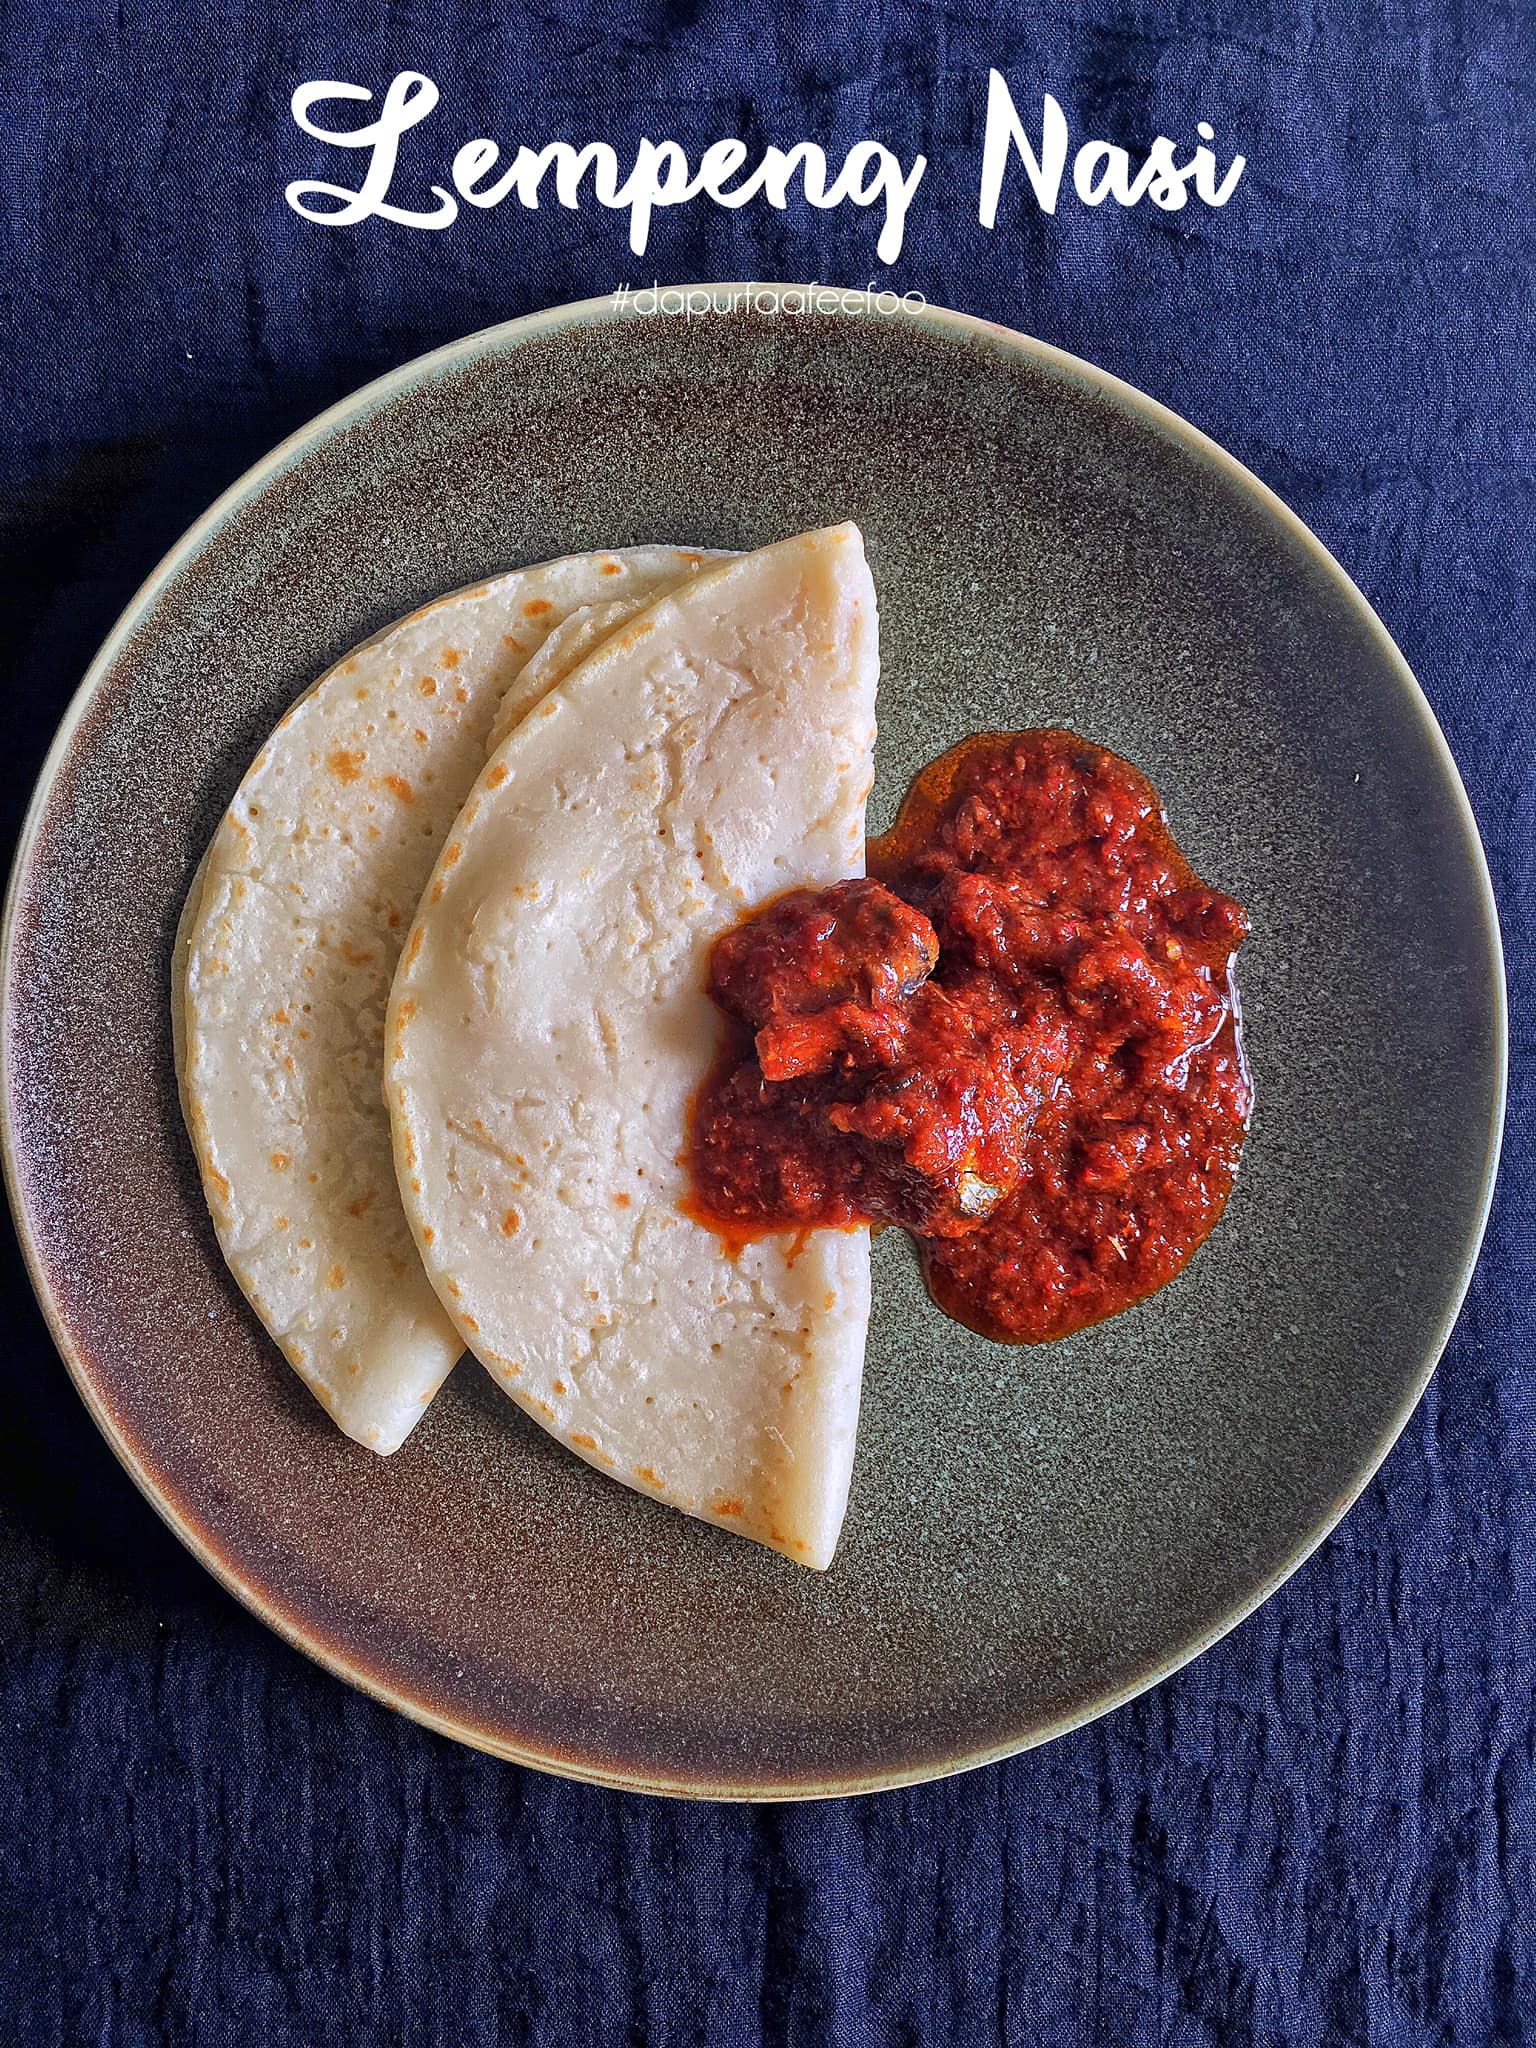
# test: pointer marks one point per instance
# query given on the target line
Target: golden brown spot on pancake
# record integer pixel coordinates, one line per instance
(511, 640)
(362, 698)
(427, 1233)
(280, 1223)
(587, 1443)
(414, 947)
(644, 1472)
(559, 1386)
(453, 855)
(314, 1179)
(621, 1201)
(362, 1205)
(297, 1352)
(535, 606)
(346, 764)
(727, 1506)
(288, 1065)
(407, 1009)
(280, 1017)
(335, 1278)
(510, 1223)
(612, 569)
(497, 775)
(461, 695)
(399, 787)
(398, 1268)
(545, 1409)
(392, 917)
(420, 737)
(684, 556)
(831, 1301)
(353, 1368)
(455, 1289)
(351, 668)
(428, 686)
(450, 657)
(354, 956)
(437, 889)
(306, 1244)
(219, 1183)
(281, 1161)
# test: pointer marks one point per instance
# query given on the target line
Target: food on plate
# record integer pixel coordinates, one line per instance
(1019, 1039)
(539, 994)
(549, 1027)
(284, 961)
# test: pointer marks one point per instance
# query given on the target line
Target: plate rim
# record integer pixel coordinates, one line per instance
(349, 410)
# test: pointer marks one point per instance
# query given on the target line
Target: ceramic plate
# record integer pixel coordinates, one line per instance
(1034, 1535)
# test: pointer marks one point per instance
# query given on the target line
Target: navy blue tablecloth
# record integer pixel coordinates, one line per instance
(1323, 1831)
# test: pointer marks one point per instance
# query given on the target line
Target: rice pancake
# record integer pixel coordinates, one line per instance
(548, 1028)
(284, 960)
(570, 642)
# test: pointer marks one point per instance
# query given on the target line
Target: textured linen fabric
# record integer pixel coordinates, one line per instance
(1324, 1831)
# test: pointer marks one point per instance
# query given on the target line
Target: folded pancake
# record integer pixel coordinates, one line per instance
(284, 960)
(570, 642)
(548, 1028)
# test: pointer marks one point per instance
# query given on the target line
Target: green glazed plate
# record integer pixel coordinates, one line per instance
(1034, 1535)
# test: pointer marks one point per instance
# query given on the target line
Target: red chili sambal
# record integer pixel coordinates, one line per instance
(1019, 1039)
